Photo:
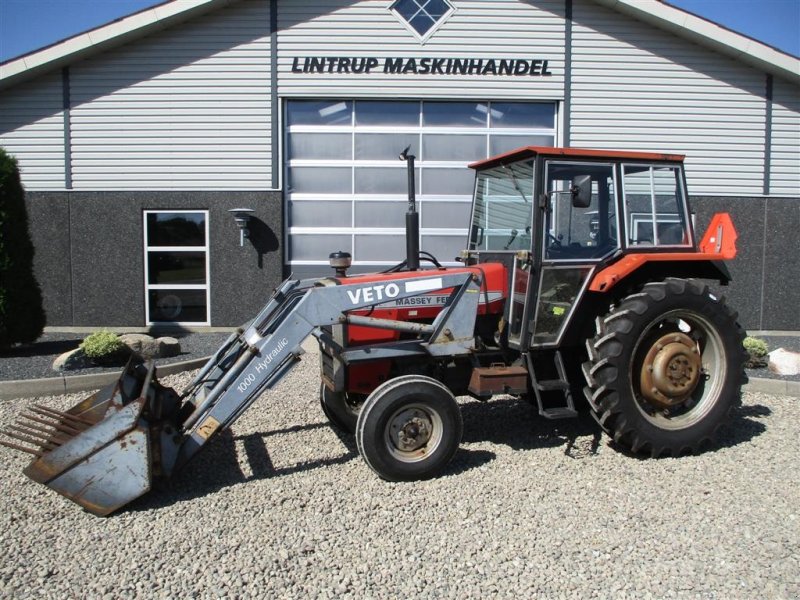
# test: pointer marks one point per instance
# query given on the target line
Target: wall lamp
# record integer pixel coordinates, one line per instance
(242, 217)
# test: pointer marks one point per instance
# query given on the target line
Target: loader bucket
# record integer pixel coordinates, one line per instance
(99, 452)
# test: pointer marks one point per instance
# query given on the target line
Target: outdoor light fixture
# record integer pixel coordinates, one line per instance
(242, 217)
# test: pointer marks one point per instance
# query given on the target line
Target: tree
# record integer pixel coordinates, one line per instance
(22, 317)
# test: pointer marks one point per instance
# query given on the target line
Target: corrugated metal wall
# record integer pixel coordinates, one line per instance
(188, 108)
(32, 129)
(637, 87)
(488, 29)
(784, 175)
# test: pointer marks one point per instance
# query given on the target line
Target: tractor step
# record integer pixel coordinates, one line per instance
(561, 412)
(558, 391)
(552, 385)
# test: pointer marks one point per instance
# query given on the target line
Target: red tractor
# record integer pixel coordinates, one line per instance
(582, 273)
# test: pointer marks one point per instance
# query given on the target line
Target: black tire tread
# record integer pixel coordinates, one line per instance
(374, 404)
(606, 378)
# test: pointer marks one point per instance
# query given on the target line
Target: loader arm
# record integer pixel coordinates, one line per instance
(270, 346)
(104, 452)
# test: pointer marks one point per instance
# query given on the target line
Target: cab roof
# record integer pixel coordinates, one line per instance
(532, 151)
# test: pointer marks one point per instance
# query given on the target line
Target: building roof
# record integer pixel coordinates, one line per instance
(110, 35)
(655, 12)
(711, 35)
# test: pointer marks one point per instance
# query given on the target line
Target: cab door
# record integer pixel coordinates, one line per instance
(580, 228)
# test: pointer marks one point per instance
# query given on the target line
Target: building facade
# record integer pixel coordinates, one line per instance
(136, 139)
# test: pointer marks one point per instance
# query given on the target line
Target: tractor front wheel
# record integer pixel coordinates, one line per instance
(409, 428)
(665, 368)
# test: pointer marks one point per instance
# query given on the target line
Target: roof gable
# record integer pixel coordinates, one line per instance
(110, 35)
(711, 35)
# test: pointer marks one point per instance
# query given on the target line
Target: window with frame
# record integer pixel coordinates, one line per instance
(422, 17)
(176, 266)
(346, 188)
(655, 206)
(580, 233)
(501, 217)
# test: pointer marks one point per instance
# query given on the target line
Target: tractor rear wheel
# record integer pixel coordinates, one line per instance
(665, 368)
(341, 408)
(409, 428)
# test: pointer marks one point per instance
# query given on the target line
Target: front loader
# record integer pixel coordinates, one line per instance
(580, 286)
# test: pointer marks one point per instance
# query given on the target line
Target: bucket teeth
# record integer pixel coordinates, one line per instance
(44, 445)
(37, 453)
(49, 431)
(58, 426)
(43, 438)
(74, 420)
(46, 429)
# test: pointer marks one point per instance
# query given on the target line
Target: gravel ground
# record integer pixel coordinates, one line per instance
(282, 507)
(34, 361)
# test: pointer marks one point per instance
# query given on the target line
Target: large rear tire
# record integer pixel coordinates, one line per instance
(665, 368)
(409, 428)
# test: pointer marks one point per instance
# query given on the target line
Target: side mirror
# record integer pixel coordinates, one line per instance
(581, 191)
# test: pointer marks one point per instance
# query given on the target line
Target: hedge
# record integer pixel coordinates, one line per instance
(22, 317)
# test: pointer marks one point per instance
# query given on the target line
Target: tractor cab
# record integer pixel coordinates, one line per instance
(572, 204)
(556, 217)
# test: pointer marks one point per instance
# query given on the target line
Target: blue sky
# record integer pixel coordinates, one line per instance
(27, 25)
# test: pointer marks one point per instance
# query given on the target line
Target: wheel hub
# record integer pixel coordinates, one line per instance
(410, 430)
(671, 370)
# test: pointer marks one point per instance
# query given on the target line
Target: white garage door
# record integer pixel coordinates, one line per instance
(346, 187)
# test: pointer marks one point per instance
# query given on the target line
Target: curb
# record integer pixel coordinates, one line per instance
(50, 386)
(773, 386)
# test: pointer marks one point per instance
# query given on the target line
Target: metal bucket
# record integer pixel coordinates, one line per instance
(99, 453)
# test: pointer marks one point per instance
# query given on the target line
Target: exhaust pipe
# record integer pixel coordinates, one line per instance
(412, 216)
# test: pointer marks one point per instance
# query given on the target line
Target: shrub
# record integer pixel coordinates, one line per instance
(756, 347)
(757, 351)
(22, 317)
(101, 344)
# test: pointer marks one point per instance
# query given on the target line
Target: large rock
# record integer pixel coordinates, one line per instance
(148, 347)
(74, 359)
(168, 346)
(142, 345)
(784, 362)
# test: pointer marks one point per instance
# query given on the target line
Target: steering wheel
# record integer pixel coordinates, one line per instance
(553, 241)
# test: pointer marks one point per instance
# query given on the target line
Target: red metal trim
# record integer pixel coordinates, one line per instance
(719, 243)
(529, 151)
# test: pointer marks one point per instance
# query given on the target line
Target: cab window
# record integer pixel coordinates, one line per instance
(574, 231)
(654, 205)
(501, 217)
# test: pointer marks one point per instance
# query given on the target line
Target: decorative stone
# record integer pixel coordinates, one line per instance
(142, 345)
(784, 362)
(168, 346)
(147, 347)
(74, 359)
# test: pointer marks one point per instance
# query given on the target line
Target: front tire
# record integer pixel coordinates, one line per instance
(409, 428)
(665, 368)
